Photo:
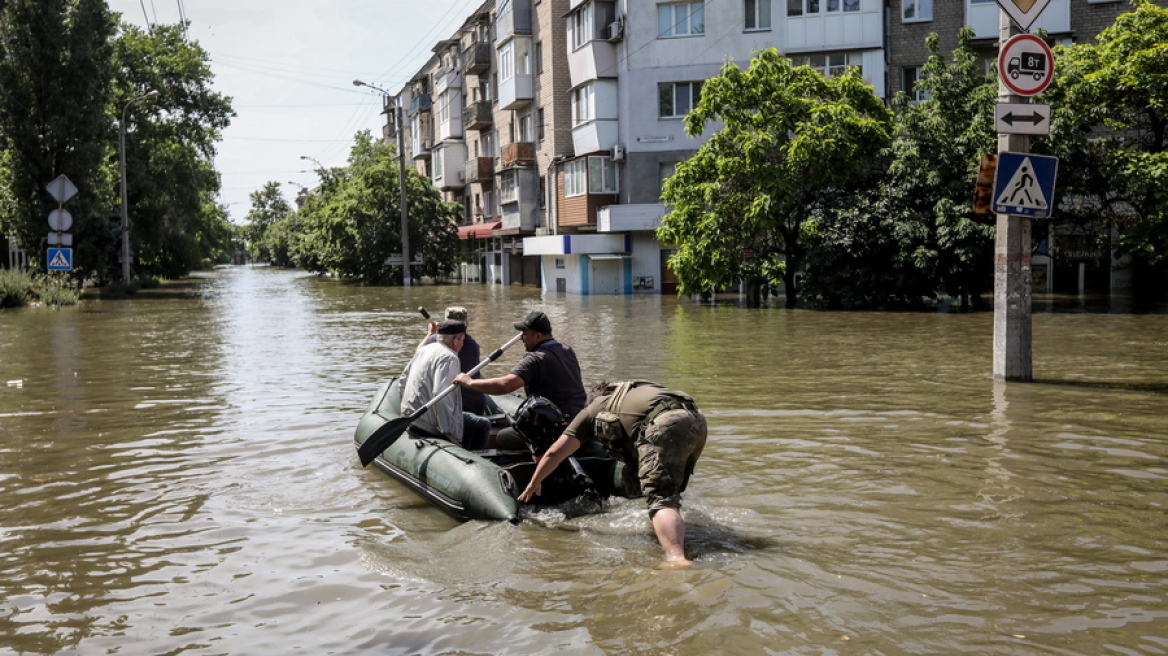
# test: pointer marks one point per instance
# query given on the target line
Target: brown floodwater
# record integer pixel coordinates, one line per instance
(177, 476)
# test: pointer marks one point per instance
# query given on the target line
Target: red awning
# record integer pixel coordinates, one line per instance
(478, 230)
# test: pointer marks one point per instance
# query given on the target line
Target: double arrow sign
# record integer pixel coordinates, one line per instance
(1022, 118)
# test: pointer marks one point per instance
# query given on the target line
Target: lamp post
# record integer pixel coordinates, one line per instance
(122, 171)
(401, 178)
(313, 160)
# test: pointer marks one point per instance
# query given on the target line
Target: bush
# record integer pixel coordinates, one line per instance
(19, 288)
(16, 288)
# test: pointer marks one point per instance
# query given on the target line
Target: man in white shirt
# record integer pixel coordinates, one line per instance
(432, 370)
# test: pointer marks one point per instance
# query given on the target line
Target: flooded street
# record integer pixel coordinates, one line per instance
(177, 476)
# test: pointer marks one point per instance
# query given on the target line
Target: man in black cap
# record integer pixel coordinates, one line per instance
(432, 370)
(549, 369)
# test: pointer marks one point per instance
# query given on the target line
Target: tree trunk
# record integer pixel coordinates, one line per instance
(789, 283)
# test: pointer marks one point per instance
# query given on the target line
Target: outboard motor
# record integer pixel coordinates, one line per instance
(539, 422)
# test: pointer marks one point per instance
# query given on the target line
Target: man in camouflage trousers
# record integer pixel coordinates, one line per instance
(656, 432)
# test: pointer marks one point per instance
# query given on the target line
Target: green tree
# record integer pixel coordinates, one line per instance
(268, 207)
(55, 75)
(1110, 132)
(793, 145)
(915, 234)
(177, 225)
(354, 225)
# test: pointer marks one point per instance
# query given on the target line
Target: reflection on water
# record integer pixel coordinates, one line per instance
(177, 476)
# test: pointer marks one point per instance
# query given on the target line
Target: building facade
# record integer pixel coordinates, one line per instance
(555, 122)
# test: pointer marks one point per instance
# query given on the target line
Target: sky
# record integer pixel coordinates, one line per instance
(289, 66)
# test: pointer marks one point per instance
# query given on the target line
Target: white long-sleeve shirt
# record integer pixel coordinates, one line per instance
(432, 370)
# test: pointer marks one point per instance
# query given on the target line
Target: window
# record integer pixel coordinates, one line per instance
(589, 175)
(601, 175)
(916, 10)
(665, 170)
(525, 127)
(538, 56)
(676, 99)
(681, 19)
(508, 187)
(758, 14)
(575, 178)
(581, 27)
(801, 7)
(487, 143)
(912, 77)
(582, 100)
(831, 64)
(514, 59)
(439, 169)
(539, 124)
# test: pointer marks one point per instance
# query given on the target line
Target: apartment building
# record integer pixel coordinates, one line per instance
(555, 122)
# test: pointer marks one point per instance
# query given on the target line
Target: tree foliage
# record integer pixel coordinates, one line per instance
(1110, 131)
(268, 207)
(794, 143)
(69, 78)
(354, 224)
(177, 224)
(915, 234)
(55, 77)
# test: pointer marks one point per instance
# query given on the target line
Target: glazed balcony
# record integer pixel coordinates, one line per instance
(420, 103)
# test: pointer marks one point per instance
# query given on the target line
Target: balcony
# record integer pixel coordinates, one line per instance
(476, 58)
(477, 115)
(420, 103)
(480, 169)
(520, 153)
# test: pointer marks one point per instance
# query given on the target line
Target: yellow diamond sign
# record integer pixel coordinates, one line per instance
(1023, 12)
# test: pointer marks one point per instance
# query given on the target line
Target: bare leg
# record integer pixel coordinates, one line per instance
(670, 530)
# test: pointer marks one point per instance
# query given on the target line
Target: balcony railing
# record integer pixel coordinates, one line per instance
(520, 153)
(480, 169)
(477, 115)
(476, 58)
(420, 103)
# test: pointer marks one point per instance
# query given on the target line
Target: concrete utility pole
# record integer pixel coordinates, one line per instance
(1012, 281)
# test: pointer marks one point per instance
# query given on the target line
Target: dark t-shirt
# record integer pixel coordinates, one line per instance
(552, 371)
(468, 358)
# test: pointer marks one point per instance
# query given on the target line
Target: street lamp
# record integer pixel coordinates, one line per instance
(313, 160)
(122, 171)
(401, 178)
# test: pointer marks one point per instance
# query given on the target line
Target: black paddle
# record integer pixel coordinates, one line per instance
(387, 433)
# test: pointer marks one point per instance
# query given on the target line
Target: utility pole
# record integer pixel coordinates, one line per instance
(1012, 293)
(399, 124)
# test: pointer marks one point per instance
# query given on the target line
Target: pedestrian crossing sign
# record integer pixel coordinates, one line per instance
(60, 259)
(1024, 184)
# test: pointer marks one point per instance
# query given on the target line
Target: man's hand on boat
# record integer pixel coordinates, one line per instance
(564, 447)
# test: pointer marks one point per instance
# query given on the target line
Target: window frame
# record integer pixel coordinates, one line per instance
(757, 11)
(607, 182)
(576, 178)
(695, 96)
(923, 10)
(667, 26)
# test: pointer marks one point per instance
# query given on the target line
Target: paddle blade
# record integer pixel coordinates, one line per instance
(381, 438)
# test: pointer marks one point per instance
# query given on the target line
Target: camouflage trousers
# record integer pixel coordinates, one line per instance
(667, 450)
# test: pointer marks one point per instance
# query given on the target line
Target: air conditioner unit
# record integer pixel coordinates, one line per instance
(618, 153)
(616, 31)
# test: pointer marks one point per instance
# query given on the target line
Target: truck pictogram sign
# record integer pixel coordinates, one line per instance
(1026, 65)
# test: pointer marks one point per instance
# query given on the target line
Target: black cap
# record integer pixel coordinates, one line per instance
(536, 321)
(451, 327)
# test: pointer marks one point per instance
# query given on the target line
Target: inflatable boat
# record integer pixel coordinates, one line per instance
(484, 484)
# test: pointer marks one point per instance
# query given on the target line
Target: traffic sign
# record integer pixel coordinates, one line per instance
(1024, 184)
(60, 239)
(1026, 65)
(1021, 118)
(1023, 12)
(60, 220)
(61, 189)
(60, 259)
